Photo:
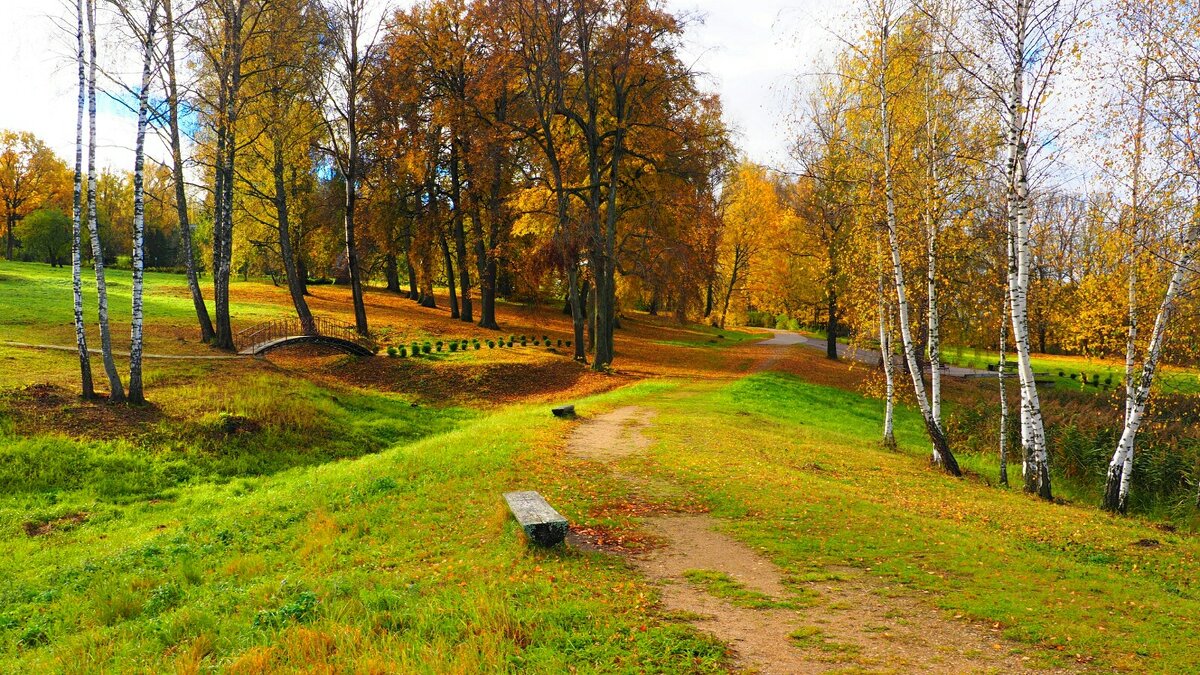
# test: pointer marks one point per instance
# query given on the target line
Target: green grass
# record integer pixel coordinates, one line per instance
(724, 586)
(1168, 379)
(813, 488)
(403, 560)
(36, 300)
(710, 337)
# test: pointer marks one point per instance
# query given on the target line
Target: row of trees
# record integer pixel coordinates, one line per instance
(559, 146)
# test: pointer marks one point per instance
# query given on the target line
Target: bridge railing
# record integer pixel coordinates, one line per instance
(277, 329)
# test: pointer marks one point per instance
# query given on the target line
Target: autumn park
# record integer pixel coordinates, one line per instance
(591, 336)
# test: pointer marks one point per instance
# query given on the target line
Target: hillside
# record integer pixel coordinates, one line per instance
(310, 511)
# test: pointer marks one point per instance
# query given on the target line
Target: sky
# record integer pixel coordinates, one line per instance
(750, 51)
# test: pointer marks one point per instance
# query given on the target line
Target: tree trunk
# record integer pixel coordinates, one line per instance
(577, 311)
(1036, 465)
(1116, 489)
(942, 456)
(181, 206)
(449, 259)
(85, 361)
(115, 388)
(136, 394)
(283, 220)
(1003, 399)
(831, 324)
(391, 272)
(466, 313)
(413, 293)
(889, 367)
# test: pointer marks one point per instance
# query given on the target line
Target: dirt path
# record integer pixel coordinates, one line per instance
(846, 620)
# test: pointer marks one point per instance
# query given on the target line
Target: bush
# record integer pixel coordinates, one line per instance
(439, 345)
(391, 351)
(568, 343)
(427, 348)
(546, 339)
(453, 346)
(1061, 374)
(510, 343)
(477, 345)
(403, 353)
(560, 342)
(491, 344)
(1074, 376)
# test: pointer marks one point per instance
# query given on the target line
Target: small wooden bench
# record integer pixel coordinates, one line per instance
(542, 524)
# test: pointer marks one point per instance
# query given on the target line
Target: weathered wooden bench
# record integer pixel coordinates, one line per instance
(542, 524)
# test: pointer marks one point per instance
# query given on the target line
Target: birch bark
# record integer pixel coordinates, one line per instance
(85, 361)
(942, 456)
(136, 394)
(115, 387)
(1116, 493)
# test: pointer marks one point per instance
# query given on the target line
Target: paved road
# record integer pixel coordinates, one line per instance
(871, 357)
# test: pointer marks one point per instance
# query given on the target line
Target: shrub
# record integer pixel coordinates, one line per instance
(477, 345)
(510, 343)
(1074, 376)
(391, 351)
(439, 345)
(427, 348)
(1060, 373)
(453, 346)
(560, 342)
(491, 344)
(546, 339)
(403, 353)
(568, 343)
(416, 349)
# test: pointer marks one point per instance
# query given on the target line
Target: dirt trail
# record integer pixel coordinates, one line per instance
(846, 621)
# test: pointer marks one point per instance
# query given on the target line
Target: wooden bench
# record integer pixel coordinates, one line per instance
(542, 524)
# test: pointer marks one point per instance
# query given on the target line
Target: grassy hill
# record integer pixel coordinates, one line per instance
(312, 512)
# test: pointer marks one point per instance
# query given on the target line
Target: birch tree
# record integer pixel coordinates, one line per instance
(1015, 50)
(142, 22)
(116, 388)
(884, 15)
(1168, 42)
(85, 362)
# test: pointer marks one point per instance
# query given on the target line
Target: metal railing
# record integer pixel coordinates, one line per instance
(278, 329)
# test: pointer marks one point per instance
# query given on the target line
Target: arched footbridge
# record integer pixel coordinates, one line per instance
(271, 335)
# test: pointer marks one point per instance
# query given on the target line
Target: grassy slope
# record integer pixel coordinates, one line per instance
(201, 549)
(813, 489)
(403, 561)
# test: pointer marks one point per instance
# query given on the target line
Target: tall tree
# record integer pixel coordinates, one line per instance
(85, 361)
(884, 16)
(353, 40)
(142, 22)
(115, 387)
(207, 333)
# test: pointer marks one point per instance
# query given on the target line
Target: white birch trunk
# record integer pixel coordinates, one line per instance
(885, 355)
(1003, 396)
(116, 389)
(1033, 436)
(85, 361)
(941, 452)
(139, 213)
(1117, 488)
